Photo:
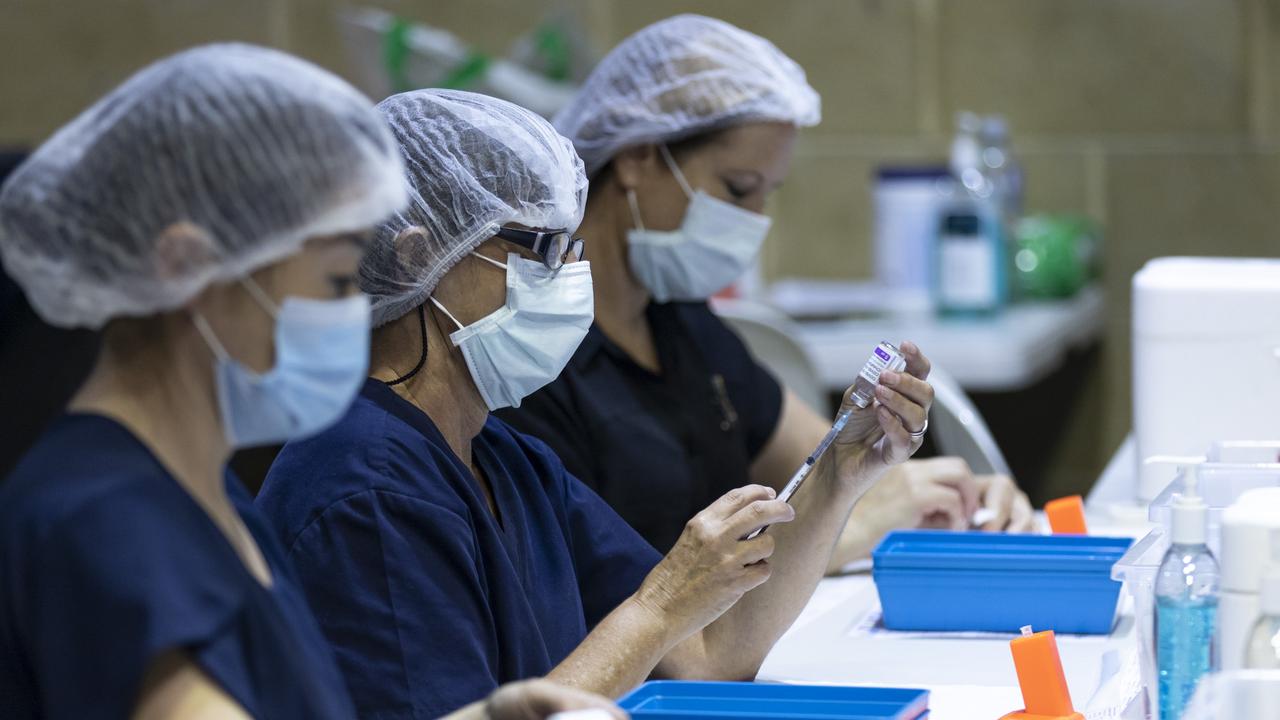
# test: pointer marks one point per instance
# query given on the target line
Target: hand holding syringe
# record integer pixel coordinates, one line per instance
(885, 358)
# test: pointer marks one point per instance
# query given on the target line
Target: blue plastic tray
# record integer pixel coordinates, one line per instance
(946, 581)
(675, 700)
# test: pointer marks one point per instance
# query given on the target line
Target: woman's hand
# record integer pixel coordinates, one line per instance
(539, 699)
(942, 494)
(712, 564)
(879, 436)
(1009, 509)
(937, 493)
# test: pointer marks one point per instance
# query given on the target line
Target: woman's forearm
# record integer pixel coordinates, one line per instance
(737, 643)
(855, 543)
(620, 652)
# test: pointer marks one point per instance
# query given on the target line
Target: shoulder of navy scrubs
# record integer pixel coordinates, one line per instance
(429, 602)
(106, 563)
(659, 448)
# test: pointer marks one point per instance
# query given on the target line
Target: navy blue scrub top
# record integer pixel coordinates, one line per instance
(106, 563)
(658, 447)
(430, 601)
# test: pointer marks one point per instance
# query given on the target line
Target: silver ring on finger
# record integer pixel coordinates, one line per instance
(917, 435)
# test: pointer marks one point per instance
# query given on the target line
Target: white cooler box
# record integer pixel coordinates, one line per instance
(1206, 358)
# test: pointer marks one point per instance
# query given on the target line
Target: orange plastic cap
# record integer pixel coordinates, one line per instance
(1066, 516)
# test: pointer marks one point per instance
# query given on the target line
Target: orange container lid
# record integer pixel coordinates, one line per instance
(1066, 516)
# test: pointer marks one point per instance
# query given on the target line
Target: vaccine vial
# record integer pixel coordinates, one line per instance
(886, 356)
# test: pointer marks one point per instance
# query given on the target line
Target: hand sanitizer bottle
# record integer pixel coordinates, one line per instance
(1186, 603)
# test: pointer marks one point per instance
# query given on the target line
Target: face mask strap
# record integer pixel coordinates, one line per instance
(210, 338)
(444, 310)
(675, 170)
(635, 209)
(260, 296)
(422, 359)
(489, 260)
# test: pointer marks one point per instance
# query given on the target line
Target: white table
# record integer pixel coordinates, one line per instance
(1006, 352)
(967, 676)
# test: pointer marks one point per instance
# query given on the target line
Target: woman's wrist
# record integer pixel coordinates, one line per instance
(847, 472)
(648, 612)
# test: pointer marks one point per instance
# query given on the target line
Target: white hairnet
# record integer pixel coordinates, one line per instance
(248, 149)
(474, 163)
(680, 77)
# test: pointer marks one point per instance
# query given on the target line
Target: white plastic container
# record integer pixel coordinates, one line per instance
(907, 202)
(1137, 570)
(1221, 485)
(1206, 357)
(1246, 552)
(1236, 695)
(1244, 452)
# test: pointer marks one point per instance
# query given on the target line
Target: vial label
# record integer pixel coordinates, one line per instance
(884, 357)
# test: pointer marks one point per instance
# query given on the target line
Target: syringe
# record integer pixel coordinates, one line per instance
(803, 472)
(805, 468)
(886, 356)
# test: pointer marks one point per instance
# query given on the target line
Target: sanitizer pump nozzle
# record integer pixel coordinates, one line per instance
(1189, 512)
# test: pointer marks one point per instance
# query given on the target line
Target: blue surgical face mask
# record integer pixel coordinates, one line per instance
(322, 358)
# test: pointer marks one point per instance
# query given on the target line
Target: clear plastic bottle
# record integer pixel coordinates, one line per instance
(1262, 649)
(1001, 166)
(1186, 603)
(970, 273)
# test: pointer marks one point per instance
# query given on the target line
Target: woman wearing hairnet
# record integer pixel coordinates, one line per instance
(445, 553)
(685, 128)
(208, 215)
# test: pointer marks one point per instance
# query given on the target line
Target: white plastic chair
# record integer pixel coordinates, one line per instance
(958, 430)
(955, 426)
(771, 337)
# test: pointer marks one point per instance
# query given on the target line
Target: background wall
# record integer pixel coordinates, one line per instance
(1160, 118)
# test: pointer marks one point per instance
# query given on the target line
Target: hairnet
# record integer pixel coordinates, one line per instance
(248, 150)
(474, 163)
(680, 77)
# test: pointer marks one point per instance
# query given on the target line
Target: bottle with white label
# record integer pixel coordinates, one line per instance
(969, 260)
(970, 272)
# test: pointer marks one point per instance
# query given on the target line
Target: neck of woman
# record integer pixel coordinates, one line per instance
(443, 388)
(163, 393)
(620, 299)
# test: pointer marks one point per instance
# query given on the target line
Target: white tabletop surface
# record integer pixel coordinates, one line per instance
(1006, 352)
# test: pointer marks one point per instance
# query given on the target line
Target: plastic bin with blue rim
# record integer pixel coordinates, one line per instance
(937, 581)
(677, 700)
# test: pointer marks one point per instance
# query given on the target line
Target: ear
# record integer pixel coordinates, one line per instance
(408, 245)
(181, 248)
(407, 238)
(632, 164)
